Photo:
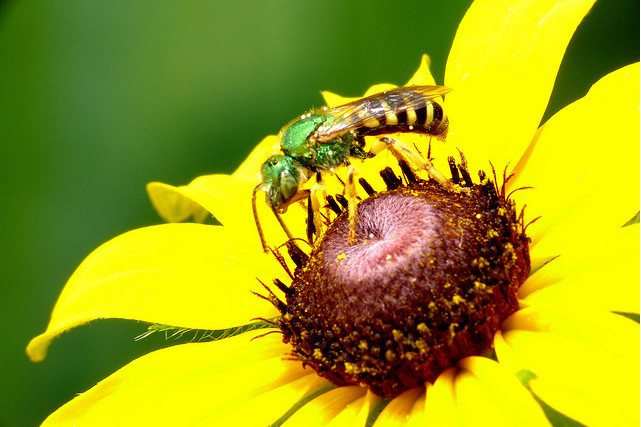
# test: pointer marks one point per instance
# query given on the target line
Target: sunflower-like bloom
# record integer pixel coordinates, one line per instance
(565, 344)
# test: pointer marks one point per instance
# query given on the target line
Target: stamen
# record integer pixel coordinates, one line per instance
(489, 190)
(407, 172)
(283, 287)
(368, 188)
(456, 179)
(333, 205)
(311, 227)
(342, 200)
(282, 262)
(467, 179)
(299, 257)
(391, 180)
(272, 298)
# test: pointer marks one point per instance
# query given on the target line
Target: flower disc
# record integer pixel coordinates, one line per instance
(431, 276)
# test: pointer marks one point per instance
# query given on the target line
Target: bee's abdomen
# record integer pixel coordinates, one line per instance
(401, 114)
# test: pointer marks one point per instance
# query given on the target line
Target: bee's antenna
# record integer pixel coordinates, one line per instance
(257, 221)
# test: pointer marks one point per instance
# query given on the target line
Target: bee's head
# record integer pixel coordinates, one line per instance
(281, 177)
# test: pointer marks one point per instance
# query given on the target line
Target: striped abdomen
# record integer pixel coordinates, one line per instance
(402, 110)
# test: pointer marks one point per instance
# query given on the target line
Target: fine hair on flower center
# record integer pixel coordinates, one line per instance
(390, 237)
(429, 279)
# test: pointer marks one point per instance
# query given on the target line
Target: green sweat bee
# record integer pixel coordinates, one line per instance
(322, 140)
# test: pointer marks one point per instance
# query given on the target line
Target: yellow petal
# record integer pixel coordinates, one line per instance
(229, 200)
(578, 406)
(378, 88)
(187, 275)
(417, 413)
(586, 362)
(584, 165)
(221, 195)
(334, 100)
(507, 357)
(250, 168)
(501, 69)
(601, 275)
(233, 381)
(172, 206)
(423, 75)
(404, 410)
(440, 406)
(343, 405)
(489, 395)
(356, 413)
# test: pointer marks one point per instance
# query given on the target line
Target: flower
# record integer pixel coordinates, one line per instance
(566, 342)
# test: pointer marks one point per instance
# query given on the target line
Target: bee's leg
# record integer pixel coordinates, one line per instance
(318, 194)
(282, 224)
(257, 221)
(352, 207)
(401, 151)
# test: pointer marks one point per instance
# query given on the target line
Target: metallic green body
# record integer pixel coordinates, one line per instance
(337, 152)
(295, 138)
(283, 172)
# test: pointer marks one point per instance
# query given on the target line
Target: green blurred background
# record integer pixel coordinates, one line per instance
(97, 98)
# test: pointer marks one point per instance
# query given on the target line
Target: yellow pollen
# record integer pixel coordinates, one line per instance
(422, 328)
(351, 368)
(492, 233)
(452, 331)
(422, 346)
(479, 286)
(341, 257)
(481, 262)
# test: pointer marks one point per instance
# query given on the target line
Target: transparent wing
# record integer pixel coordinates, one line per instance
(375, 107)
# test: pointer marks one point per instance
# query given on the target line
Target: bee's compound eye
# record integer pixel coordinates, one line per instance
(288, 185)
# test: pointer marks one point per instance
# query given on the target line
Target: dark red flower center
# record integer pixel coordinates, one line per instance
(432, 275)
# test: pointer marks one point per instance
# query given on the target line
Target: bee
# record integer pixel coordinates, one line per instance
(323, 140)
